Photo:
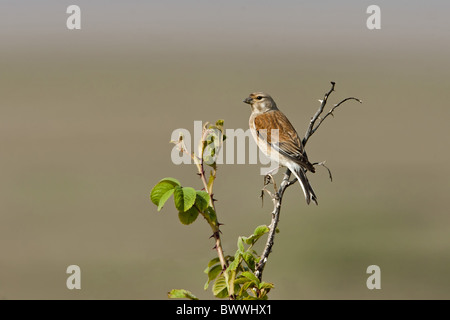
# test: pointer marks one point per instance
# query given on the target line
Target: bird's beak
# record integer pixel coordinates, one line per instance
(248, 100)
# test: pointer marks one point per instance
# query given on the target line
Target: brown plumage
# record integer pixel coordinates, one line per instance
(286, 147)
(289, 144)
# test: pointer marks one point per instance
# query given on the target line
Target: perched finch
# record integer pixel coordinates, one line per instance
(286, 147)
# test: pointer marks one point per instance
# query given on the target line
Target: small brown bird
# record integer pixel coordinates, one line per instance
(286, 148)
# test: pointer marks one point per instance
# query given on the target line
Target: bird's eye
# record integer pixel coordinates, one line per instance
(259, 97)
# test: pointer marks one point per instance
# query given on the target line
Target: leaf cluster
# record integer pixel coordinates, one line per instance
(188, 201)
(234, 276)
(239, 281)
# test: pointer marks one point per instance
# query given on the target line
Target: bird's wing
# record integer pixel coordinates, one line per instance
(288, 142)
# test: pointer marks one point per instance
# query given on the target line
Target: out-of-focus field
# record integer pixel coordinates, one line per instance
(85, 122)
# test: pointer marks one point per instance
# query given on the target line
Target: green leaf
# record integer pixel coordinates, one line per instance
(181, 294)
(212, 274)
(237, 288)
(161, 188)
(250, 240)
(212, 143)
(202, 200)
(248, 284)
(212, 262)
(250, 276)
(241, 280)
(189, 197)
(261, 230)
(178, 198)
(258, 233)
(164, 198)
(189, 216)
(265, 285)
(219, 123)
(233, 265)
(236, 261)
(212, 270)
(249, 260)
(184, 198)
(240, 245)
(219, 288)
(173, 181)
(243, 293)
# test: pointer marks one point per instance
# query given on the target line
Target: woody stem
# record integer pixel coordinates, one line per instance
(214, 224)
(273, 224)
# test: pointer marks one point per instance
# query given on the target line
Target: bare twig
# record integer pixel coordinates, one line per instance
(330, 113)
(278, 196)
(309, 131)
(268, 179)
(323, 165)
(311, 128)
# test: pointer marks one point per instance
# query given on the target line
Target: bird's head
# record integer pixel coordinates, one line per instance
(261, 102)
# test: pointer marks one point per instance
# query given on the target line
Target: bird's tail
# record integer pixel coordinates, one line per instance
(300, 173)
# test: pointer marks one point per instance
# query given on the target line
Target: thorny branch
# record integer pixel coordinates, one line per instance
(277, 197)
(208, 188)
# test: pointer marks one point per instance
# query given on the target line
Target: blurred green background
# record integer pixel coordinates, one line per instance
(86, 117)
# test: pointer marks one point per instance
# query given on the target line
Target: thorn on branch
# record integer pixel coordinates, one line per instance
(262, 197)
(215, 235)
